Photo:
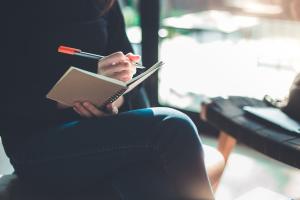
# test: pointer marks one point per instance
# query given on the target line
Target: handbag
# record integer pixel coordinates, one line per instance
(292, 104)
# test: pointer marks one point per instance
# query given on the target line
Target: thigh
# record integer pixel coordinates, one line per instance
(93, 148)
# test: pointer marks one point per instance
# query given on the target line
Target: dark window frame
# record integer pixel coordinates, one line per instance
(150, 22)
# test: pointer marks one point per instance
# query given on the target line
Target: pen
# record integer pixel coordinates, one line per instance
(78, 52)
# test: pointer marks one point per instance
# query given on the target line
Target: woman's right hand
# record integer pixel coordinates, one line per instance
(118, 66)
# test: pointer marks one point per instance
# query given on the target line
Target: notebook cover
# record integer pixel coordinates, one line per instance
(81, 85)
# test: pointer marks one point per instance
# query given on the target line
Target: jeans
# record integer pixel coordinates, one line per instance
(152, 153)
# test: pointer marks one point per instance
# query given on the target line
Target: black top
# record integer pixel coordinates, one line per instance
(31, 64)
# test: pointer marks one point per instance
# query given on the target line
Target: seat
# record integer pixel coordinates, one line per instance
(12, 189)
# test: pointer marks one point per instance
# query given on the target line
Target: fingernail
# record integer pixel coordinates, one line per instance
(115, 110)
(134, 57)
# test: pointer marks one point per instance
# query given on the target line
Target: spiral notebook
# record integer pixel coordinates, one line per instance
(81, 85)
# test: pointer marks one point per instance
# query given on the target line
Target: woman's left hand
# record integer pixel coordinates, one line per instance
(117, 66)
(87, 110)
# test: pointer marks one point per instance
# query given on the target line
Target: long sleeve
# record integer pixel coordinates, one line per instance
(118, 41)
(31, 65)
(117, 38)
(24, 85)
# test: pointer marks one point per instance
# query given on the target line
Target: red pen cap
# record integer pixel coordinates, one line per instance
(68, 50)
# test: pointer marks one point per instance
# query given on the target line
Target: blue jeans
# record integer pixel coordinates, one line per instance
(144, 154)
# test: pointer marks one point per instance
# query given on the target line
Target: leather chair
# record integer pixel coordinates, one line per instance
(12, 189)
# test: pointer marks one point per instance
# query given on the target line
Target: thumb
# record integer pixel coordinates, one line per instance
(111, 108)
(115, 110)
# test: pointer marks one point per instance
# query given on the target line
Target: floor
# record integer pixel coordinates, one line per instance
(245, 171)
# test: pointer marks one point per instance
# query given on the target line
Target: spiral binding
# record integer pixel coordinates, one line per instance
(114, 97)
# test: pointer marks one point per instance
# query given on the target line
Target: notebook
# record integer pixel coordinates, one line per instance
(275, 116)
(81, 85)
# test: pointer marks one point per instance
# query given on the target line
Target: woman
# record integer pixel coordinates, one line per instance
(142, 153)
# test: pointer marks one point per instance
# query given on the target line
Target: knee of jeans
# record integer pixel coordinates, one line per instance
(178, 118)
(180, 127)
(167, 113)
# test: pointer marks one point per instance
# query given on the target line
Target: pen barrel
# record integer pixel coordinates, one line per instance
(98, 57)
(139, 65)
(89, 55)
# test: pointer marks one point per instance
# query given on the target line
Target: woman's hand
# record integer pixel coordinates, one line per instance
(118, 66)
(88, 110)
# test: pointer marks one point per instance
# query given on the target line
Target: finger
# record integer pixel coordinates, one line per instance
(115, 110)
(111, 108)
(113, 58)
(123, 66)
(133, 57)
(133, 70)
(123, 76)
(93, 109)
(82, 110)
(77, 111)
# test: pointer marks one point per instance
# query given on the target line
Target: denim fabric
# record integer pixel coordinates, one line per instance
(152, 153)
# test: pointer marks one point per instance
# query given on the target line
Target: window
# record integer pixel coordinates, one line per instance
(226, 47)
(132, 21)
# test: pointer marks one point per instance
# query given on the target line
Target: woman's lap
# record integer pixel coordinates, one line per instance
(112, 141)
(95, 149)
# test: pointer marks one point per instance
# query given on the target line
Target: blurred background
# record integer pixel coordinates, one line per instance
(221, 48)
(250, 47)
